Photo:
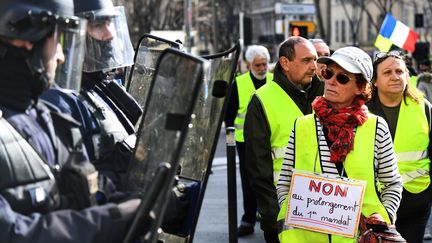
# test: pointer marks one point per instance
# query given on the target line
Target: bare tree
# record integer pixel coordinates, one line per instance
(217, 20)
(384, 6)
(320, 21)
(146, 15)
(354, 18)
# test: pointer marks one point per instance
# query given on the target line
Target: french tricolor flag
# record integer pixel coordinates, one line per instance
(395, 32)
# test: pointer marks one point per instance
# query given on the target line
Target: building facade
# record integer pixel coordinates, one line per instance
(343, 22)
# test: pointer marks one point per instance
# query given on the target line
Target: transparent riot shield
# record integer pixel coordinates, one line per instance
(164, 125)
(200, 143)
(147, 52)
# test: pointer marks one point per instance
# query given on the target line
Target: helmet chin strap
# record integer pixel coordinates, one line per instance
(41, 78)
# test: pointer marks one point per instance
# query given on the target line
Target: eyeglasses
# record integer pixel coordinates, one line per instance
(382, 55)
(341, 78)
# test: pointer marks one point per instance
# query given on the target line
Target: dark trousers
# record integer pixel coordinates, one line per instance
(271, 236)
(249, 200)
(413, 214)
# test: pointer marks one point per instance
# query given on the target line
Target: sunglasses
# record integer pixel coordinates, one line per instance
(341, 78)
(383, 55)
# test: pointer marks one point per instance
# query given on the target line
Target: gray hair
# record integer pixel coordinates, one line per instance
(314, 41)
(255, 51)
(424, 77)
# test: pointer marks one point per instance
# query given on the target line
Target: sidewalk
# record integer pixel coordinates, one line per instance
(213, 221)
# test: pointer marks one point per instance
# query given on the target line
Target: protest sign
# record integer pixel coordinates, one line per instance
(324, 204)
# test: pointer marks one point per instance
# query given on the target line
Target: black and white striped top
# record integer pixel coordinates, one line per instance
(385, 163)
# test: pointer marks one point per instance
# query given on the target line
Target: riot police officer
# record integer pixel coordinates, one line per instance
(44, 166)
(107, 129)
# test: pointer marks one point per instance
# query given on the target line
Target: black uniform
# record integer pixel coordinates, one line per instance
(106, 137)
(44, 167)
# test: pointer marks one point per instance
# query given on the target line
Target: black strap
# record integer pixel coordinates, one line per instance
(428, 113)
(120, 115)
(92, 105)
(122, 99)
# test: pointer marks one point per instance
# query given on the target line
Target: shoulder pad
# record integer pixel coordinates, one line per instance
(43, 105)
(56, 113)
(65, 117)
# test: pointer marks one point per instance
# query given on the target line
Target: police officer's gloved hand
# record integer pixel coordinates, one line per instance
(108, 192)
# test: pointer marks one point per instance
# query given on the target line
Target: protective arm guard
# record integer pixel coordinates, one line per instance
(106, 223)
(26, 181)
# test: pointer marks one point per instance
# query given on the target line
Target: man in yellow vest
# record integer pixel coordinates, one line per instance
(244, 86)
(270, 118)
(323, 50)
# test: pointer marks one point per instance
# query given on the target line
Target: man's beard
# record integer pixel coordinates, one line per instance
(99, 55)
(259, 76)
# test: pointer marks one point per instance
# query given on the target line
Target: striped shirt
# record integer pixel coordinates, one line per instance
(386, 172)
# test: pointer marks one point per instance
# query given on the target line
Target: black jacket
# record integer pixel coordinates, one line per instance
(258, 149)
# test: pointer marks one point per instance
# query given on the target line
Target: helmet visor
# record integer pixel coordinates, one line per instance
(71, 39)
(108, 44)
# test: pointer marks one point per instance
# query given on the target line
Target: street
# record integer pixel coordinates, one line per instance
(213, 221)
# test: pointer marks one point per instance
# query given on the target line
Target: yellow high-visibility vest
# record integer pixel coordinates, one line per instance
(281, 112)
(359, 164)
(410, 144)
(245, 88)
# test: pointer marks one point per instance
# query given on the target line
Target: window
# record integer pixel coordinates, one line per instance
(370, 31)
(337, 30)
(343, 31)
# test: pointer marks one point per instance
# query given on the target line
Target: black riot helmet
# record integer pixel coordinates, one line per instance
(37, 21)
(31, 20)
(108, 43)
(96, 6)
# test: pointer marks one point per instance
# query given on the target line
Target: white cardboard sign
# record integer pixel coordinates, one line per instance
(323, 204)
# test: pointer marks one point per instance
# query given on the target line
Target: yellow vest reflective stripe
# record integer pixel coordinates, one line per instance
(245, 88)
(277, 154)
(410, 144)
(413, 156)
(281, 112)
(359, 164)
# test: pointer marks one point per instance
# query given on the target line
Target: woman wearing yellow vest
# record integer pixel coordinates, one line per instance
(342, 139)
(408, 116)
